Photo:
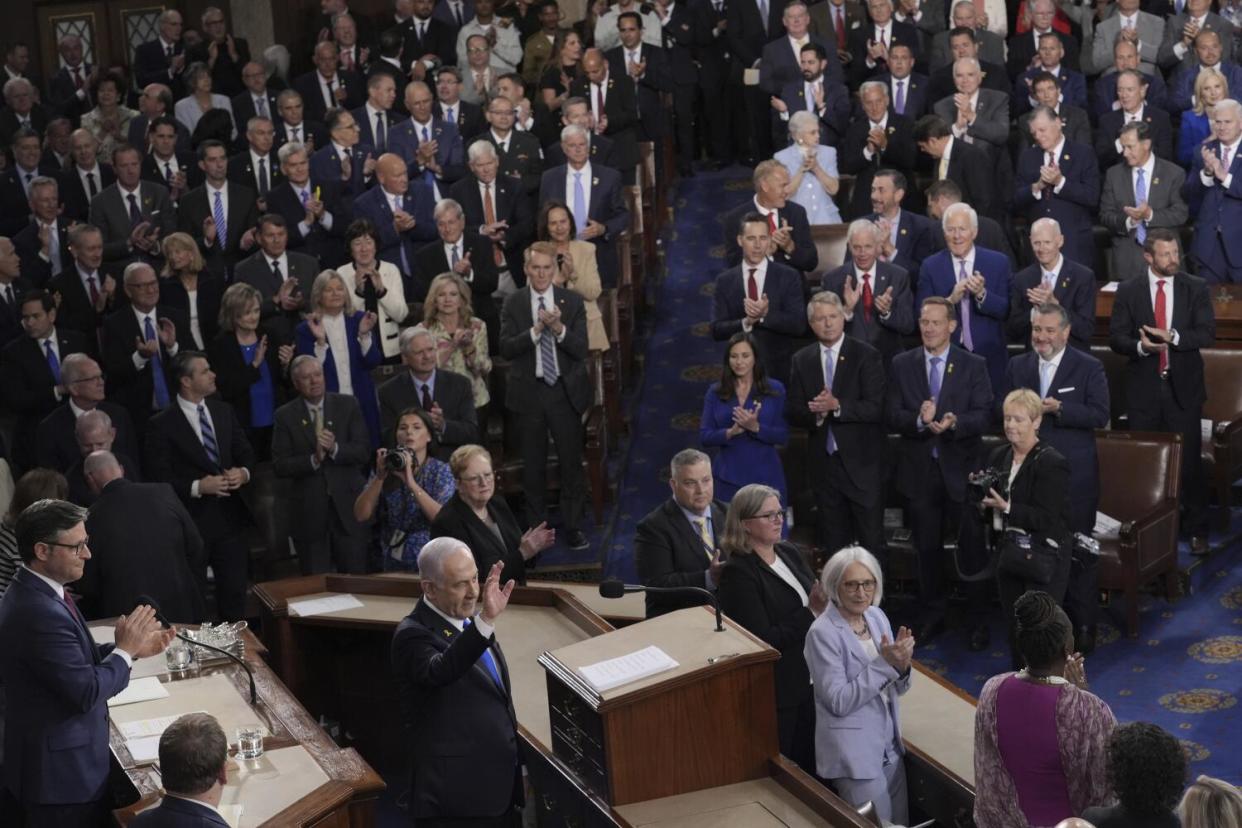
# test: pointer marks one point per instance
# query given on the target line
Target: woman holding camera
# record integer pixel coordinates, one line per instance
(1030, 522)
(408, 487)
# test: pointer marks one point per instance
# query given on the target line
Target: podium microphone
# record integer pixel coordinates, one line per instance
(159, 616)
(613, 588)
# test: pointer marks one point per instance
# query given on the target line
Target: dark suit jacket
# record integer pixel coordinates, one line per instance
(440, 39)
(1074, 291)
(1039, 497)
(778, 332)
(310, 87)
(315, 130)
(80, 491)
(669, 553)
(193, 208)
(62, 94)
(1104, 94)
(57, 444)
(328, 246)
(747, 32)
(1074, 207)
(523, 163)
(234, 375)
(1173, 26)
(653, 121)
(175, 455)
(153, 171)
(917, 90)
(1073, 90)
(243, 171)
(210, 291)
(137, 135)
(833, 121)
(1081, 387)
(600, 149)
(151, 65)
(405, 137)
(903, 33)
(858, 427)
(74, 197)
(127, 385)
(779, 65)
(34, 267)
(315, 493)
(458, 520)
(28, 382)
(143, 542)
(1164, 196)
(243, 109)
(14, 204)
(451, 391)
(1023, 48)
(1109, 129)
(805, 257)
(1220, 210)
(11, 312)
(430, 262)
(882, 333)
(226, 74)
(916, 239)
(1075, 125)
(9, 122)
(470, 121)
(178, 813)
(621, 108)
(940, 84)
(110, 213)
(511, 205)
(75, 310)
(462, 726)
(938, 275)
(516, 320)
(60, 680)
(757, 598)
(325, 165)
(366, 126)
(418, 202)
(606, 206)
(257, 272)
(966, 392)
(1195, 322)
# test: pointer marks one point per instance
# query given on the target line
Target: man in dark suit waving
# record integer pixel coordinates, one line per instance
(56, 750)
(543, 335)
(836, 392)
(455, 690)
(676, 543)
(1160, 322)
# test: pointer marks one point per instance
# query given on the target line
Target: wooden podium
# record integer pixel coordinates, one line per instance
(713, 716)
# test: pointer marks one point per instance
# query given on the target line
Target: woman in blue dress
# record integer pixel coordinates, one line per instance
(813, 175)
(1196, 127)
(344, 343)
(744, 418)
(408, 498)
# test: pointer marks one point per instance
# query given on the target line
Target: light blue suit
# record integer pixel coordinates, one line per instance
(856, 721)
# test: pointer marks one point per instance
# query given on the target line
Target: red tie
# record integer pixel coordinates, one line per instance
(77, 77)
(840, 27)
(1162, 322)
(866, 297)
(772, 222)
(752, 286)
(73, 607)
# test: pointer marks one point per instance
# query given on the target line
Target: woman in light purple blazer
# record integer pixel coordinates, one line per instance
(858, 669)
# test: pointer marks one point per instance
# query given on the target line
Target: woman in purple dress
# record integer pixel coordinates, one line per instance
(1041, 739)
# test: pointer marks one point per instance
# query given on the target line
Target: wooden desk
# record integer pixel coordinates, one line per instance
(1228, 314)
(319, 783)
(938, 727)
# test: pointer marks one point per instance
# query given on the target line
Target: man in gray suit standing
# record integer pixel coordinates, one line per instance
(1145, 31)
(543, 335)
(1177, 48)
(321, 443)
(284, 277)
(1140, 194)
(991, 45)
(976, 115)
(133, 215)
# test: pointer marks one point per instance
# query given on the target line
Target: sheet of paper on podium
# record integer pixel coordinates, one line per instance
(323, 606)
(605, 675)
(139, 690)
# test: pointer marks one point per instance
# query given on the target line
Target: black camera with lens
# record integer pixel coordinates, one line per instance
(979, 483)
(398, 458)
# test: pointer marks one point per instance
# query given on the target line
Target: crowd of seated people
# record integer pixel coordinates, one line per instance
(348, 273)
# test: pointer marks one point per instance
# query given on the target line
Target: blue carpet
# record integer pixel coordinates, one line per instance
(1184, 672)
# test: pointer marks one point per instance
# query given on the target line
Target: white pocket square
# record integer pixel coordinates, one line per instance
(1066, 390)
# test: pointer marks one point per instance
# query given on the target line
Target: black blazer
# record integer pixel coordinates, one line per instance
(14, 204)
(599, 147)
(470, 121)
(970, 168)
(430, 261)
(1039, 497)
(80, 491)
(145, 543)
(242, 171)
(1022, 49)
(621, 107)
(75, 310)
(151, 65)
(10, 313)
(454, 394)
(315, 130)
(153, 172)
(457, 520)
(127, 385)
(439, 39)
(1195, 322)
(210, 291)
(57, 445)
(517, 347)
(1109, 130)
(669, 553)
(804, 257)
(310, 87)
(73, 195)
(901, 154)
(462, 728)
(234, 375)
(885, 335)
(511, 205)
(757, 598)
(34, 267)
(193, 209)
(62, 94)
(27, 384)
(1074, 290)
(173, 812)
(656, 80)
(226, 74)
(523, 163)
(243, 109)
(899, 32)
(328, 246)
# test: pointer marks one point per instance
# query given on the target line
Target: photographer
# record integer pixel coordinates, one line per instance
(409, 487)
(1026, 505)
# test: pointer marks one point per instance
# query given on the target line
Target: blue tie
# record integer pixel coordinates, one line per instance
(448, 115)
(489, 662)
(933, 383)
(547, 351)
(53, 363)
(1140, 195)
(405, 258)
(580, 205)
(428, 175)
(158, 380)
(222, 227)
(135, 215)
(209, 436)
(830, 444)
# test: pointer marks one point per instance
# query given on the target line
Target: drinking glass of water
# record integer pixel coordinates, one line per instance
(249, 741)
(178, 657)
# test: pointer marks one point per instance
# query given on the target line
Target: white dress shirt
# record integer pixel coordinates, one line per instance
(1152, 279)
(1209, 180)
(139, 360)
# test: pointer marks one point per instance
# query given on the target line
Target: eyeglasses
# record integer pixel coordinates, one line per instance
(76, 547)
(771, 517)
(96, 378)
(479, 479)
(856, 586)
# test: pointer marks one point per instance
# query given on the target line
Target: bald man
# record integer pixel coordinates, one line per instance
(401, 211)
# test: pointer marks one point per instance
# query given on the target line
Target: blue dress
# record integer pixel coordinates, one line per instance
(747, 458)
(360, 366)
(262, 392)
(811, 196)
(1190, 136)
(399, 513)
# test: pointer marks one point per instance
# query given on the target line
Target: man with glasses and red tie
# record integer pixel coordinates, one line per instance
(1160, 322)
(57, 756)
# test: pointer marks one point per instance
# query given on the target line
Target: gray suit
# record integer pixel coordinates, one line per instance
(475, 96)
(256, 270)
(991, 117)
(991, 49)
(321, 502)
(1173, 26)
(1164, 194)
(1151, 35)
(110, 213)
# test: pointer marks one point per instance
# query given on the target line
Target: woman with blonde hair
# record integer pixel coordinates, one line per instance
(344, 342)
(1211, 803)
(187, 284)
(1211, 87)
(376, 286)
(460, 336)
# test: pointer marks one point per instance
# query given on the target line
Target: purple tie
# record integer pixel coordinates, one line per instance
(900, 103)
(830, 445)
(967, 340)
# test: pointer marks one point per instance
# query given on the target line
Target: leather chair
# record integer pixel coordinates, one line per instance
(1139, 474)
(1222, 455)
(269, 538)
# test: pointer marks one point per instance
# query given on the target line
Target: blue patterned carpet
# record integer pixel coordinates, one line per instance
(1184, 672)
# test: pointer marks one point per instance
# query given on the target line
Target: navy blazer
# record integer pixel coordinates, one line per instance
(366, 128)
(778, 332)
(916, 240)
(418, 201)
(1074, 290)
(938, 275)
(1182, 85)
(1105, 94)
(1081, 386)
(325, 165)
(174, 812)
(54, 673)
(405, 137)
(900, 154)
(884, 333)
(779, 66)
(360, 365)
(918, 95)
(1220, 208)
(749, 457)
(74, 198)
(34, 267)
(152, 65)
(805, 257)
(832, 124)
(1073, 90)
(899, 32)
(1074, 207)
(606, 206)
(966, 392)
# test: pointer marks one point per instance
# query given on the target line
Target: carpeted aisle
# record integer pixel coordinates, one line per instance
(1184, 672)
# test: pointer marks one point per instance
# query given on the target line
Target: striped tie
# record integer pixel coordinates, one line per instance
(209, 436)
(222, 228)
(547, 351)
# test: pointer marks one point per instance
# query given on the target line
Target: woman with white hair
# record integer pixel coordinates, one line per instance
(858, 669)
(813, 175)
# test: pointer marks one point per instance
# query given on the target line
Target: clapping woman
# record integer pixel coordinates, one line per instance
(376, 286)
